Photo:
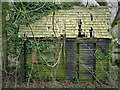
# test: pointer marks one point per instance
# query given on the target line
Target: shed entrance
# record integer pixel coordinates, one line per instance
(86, 61)
(80, 59)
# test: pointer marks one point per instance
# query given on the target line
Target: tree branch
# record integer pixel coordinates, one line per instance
(117, 17)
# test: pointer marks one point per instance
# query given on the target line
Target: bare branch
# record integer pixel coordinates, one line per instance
(117, 17)
(102, 2)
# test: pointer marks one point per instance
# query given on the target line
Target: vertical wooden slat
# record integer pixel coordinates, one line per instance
(70, 58)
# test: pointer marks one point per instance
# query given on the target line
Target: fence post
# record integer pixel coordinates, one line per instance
(25, 57)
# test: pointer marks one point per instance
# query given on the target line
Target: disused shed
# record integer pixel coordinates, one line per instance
(85, 29)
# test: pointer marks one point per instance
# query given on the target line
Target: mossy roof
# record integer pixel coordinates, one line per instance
(68, 20)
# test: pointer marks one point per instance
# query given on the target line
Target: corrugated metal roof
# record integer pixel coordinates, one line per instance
(70, 19)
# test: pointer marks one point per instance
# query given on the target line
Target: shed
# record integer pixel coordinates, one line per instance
(86, 29)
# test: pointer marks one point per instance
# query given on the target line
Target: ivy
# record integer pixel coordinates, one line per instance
(36, 10)
(17, 16)
(102, 54)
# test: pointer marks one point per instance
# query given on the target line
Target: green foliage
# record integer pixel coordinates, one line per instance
(40, 46)
(36, 10)
(31, 73)
(103, 58)
(102, 54)
(74, 79)
(17, 13)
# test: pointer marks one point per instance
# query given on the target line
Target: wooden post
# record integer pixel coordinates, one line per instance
(78, 60)
(25, 57)
(79, 30)
(94, 62)
(91, 32)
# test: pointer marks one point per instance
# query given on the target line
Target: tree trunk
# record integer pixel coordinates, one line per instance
(4, 36)
(0, 45)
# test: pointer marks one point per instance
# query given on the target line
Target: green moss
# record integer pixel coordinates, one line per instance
(43, 71)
